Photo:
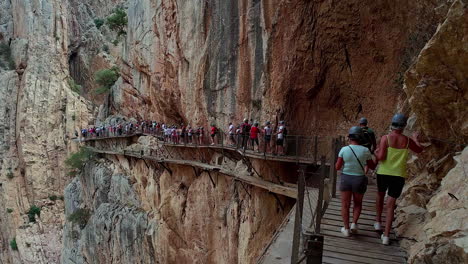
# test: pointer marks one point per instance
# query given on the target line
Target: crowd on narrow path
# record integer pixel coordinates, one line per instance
(247, 135)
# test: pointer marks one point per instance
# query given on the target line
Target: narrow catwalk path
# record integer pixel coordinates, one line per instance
(364, 247)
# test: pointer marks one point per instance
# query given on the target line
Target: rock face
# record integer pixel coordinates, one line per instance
(434, 201)
(317, 64)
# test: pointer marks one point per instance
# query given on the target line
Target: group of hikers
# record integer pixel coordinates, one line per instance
(355, 160)
(245, 135)
(362, 154)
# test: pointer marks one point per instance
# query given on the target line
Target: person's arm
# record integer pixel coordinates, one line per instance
(339, 163)
(381, 151)
(414, 144)
(374, 143)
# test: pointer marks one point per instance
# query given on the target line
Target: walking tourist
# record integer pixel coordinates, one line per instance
(392, 153)
(352, 159)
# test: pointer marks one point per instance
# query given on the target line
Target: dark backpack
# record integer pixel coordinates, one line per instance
(285, 131)
(366, 140)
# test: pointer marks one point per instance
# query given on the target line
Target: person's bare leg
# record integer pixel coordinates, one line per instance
(379, 203)
(357, 206)
(390, 209)
(345, 203)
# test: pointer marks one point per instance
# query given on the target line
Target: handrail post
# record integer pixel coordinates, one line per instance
(315, 148)
(333, 172)
(318, 211)
(298, 216)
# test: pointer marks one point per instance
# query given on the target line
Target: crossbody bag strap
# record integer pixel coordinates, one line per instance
(362, 167)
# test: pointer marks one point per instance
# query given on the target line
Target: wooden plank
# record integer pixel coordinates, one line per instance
(358, 259)
(362, 251)
(332, 260)
(393, 250)
(338, 212)
(362, 226)
(362, 232)
(363, 210)
(336, 233)
(361, 221)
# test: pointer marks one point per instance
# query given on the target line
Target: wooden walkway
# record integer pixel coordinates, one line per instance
(289, 191)
(247, 153)
(364, 247)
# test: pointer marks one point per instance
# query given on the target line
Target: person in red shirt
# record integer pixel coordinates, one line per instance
(213, 132)
(254, 136)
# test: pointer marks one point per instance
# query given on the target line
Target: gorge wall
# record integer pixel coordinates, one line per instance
(319, 65)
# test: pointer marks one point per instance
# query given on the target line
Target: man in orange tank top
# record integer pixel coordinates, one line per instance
(392, 154)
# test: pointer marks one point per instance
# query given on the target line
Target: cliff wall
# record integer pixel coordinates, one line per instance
(319, 65)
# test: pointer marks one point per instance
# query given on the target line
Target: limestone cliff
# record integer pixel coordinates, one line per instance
(317, 64)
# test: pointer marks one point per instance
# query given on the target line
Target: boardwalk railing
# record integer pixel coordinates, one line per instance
(297, 146)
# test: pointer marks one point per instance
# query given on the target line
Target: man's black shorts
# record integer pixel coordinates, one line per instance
(279, 142)
(394, 184)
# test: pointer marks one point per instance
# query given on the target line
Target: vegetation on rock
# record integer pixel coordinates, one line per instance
(118, 21)
(74, 86)
(106, 78)
(98, 22)
(53, 197)
(13, 244)
(6, 58)
(77, 160)
(9, 210)
(80, 217)
(33, 211)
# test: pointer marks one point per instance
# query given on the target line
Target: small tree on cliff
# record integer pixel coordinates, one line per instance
(77, 160)
(106, 78)
(118, 22)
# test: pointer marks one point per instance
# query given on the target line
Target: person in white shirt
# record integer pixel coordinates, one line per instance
(231, 134)
(280, 139)
(267, 131)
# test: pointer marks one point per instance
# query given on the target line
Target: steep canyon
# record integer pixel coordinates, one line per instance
(319, 65)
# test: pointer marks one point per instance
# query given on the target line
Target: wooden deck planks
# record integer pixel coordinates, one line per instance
(364, 247)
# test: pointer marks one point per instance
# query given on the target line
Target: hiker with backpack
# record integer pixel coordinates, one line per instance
(393, 153)
(352, 160)
(368, 136)
(245, 128)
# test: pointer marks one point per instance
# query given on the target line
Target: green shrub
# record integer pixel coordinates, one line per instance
(33, 211)
(98, 22)
(118, 21)
(106, 78)
(80, 217)
(53, 197)
(74, 86)
(105, 48)
(115, 42)
(6, 58)
(13, 244)
(73, 117)
(77, 160)
(9, 210)
(10, 175)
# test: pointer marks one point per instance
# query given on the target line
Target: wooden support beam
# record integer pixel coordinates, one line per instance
(279, 201)
(211, 179)
(245, 189)
(165, 167)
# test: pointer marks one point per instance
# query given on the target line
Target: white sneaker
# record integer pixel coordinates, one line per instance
(377, 226)
(385, 239)
(345, 232)
(354, 228)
